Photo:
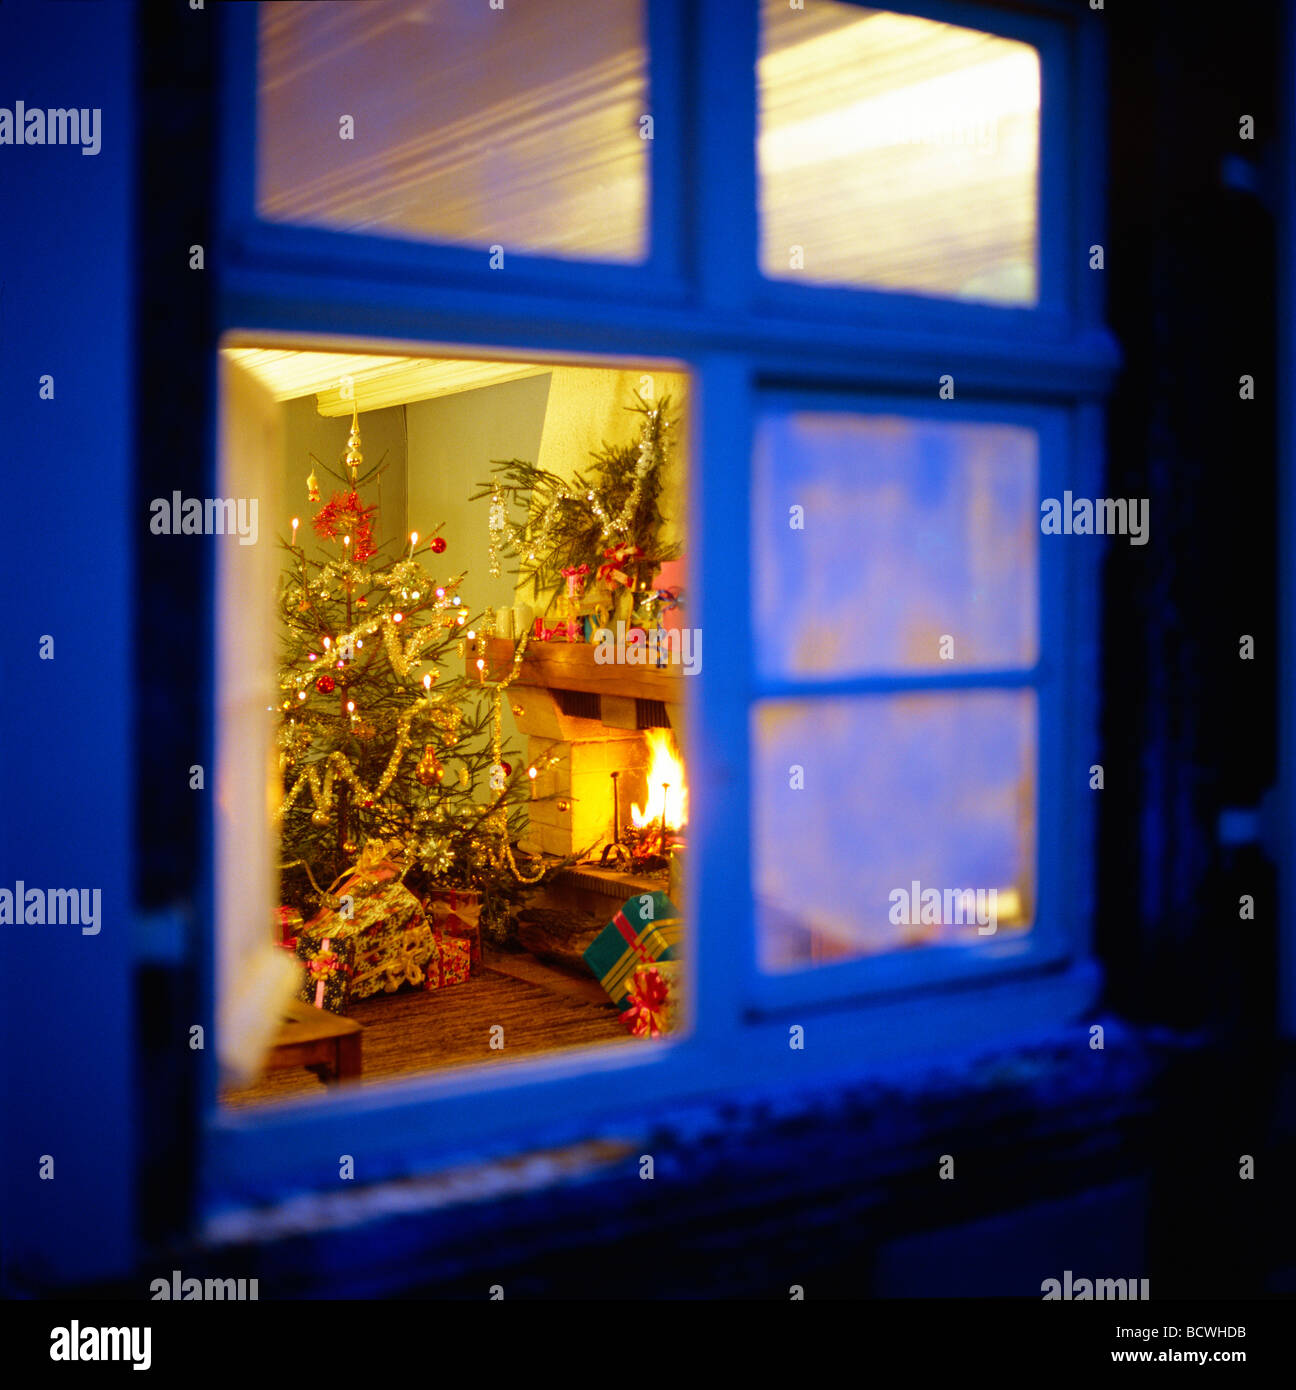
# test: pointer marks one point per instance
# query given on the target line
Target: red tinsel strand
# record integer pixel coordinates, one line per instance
(344, 514)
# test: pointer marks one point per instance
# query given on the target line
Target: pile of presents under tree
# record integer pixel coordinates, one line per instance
(381, 937)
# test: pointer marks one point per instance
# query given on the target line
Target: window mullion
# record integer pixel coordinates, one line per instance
(901, 683)
(722, 231)
(718, 755)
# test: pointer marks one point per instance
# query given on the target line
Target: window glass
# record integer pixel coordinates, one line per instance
(897, 153)
(522, 127)
(884, 823)
(890, 544)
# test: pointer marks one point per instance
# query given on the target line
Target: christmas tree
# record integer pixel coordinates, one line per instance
(383, 737)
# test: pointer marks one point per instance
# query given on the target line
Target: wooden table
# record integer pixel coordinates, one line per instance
(320, 1041)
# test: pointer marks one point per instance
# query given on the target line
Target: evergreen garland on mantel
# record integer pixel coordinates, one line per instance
(612, 510)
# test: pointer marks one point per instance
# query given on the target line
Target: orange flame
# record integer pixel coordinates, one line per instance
(664, 770)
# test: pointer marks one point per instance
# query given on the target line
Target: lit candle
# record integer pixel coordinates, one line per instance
(413, 542)
(303, 568)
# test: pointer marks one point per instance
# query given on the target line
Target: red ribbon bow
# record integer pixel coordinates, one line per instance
(569, 629)
(616, 557)
(648, 996)
(575, 577)
(325, 964)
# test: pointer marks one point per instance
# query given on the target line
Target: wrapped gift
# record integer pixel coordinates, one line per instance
(451, 961)
(652, 999)
(457, 912)
(647, 929)
(288, 922)
(597, 602)
(393, 942)
(329, 969)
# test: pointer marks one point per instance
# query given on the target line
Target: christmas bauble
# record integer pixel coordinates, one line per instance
(325, 684)
(429, 770)
(349, 847)
(319, 817)
(436, 545)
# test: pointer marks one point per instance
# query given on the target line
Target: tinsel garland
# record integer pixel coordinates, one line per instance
(345, 513)
(505, 851)
(503, 534)
(403, 577)
(337, 765)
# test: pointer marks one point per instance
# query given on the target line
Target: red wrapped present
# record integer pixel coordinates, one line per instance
(451, 961)
(289, 923)
(457, 912)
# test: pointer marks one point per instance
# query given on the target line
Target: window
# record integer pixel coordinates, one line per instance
(936, 523)
(930, 372)
(382, 666)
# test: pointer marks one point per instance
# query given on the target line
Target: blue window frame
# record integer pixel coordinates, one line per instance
(700, 301)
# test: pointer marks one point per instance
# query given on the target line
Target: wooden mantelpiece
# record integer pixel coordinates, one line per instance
(571, 666)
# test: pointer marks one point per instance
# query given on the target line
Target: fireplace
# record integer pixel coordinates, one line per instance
(607, 742)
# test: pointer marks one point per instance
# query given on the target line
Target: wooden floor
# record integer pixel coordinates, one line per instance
(540, 1010)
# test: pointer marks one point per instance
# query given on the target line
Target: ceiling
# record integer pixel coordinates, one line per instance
(341, 381)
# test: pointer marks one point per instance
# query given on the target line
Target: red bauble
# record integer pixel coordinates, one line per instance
(324, 685)
(436, 545)
(508, 771)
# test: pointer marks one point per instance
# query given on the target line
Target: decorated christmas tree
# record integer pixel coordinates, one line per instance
(386, 745)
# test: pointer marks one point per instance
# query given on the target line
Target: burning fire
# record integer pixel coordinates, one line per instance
(665, 770)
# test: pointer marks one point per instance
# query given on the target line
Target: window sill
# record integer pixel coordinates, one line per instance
(1027, 1121)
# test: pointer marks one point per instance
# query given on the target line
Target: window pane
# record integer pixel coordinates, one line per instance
(936, 790)
(518, 127)
(898, 153)
(910, 532)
